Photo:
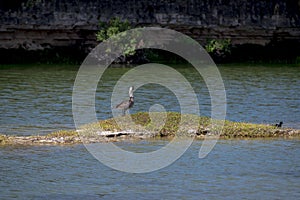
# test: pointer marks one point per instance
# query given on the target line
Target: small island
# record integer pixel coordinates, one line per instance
(143, 128)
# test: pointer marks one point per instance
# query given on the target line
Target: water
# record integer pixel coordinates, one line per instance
(245, 169)
(38, 100)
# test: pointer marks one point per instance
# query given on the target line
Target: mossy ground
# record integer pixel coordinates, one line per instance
(63, 133)
(201, 126)
(161, 124)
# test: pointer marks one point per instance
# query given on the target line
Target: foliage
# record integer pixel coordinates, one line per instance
(31, 3)
(219, 48)
(115, 29)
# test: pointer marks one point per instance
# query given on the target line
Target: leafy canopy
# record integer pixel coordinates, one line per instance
(114, 27)
(219, 47)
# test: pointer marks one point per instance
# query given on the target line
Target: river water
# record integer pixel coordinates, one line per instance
(38, 100)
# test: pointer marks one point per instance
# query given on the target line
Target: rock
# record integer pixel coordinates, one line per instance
(74, 23)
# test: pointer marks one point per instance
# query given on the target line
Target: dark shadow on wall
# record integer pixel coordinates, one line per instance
(58, 55)
(275, 52)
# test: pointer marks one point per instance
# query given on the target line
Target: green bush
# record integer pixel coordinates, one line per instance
(115, 29)
(111, 28)
(220, 48)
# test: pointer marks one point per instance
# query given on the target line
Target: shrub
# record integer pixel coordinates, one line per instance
(111, 29)
(219, 48)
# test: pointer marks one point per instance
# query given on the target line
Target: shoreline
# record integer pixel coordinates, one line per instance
(109, 131)
(13, 140)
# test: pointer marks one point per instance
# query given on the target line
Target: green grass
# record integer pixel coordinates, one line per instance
(63, 133)
(201, 124)
(163, 125)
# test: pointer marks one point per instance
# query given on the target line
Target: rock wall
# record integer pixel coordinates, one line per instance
(48, 24)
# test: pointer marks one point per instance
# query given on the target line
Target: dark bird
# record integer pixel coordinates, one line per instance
(125, 105)
(279, 125)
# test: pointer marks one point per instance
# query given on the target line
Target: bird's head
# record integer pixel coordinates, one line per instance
(130, 92)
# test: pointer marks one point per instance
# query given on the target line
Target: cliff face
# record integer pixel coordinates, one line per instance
(48, 24)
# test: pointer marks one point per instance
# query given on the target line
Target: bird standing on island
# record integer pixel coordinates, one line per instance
(279, 125)
(127, 104)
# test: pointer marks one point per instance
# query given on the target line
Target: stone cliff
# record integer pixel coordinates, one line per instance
(36, 25)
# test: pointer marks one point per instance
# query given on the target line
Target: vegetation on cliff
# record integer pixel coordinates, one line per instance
(115, 30)
(64, 31)
(219, 49)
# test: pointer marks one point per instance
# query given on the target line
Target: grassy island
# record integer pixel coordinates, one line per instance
(142, 127)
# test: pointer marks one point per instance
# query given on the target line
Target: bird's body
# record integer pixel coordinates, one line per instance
(279, 125)
(127, 104)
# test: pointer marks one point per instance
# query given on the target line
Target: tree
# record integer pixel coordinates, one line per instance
(115, 29)
(219, 48)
